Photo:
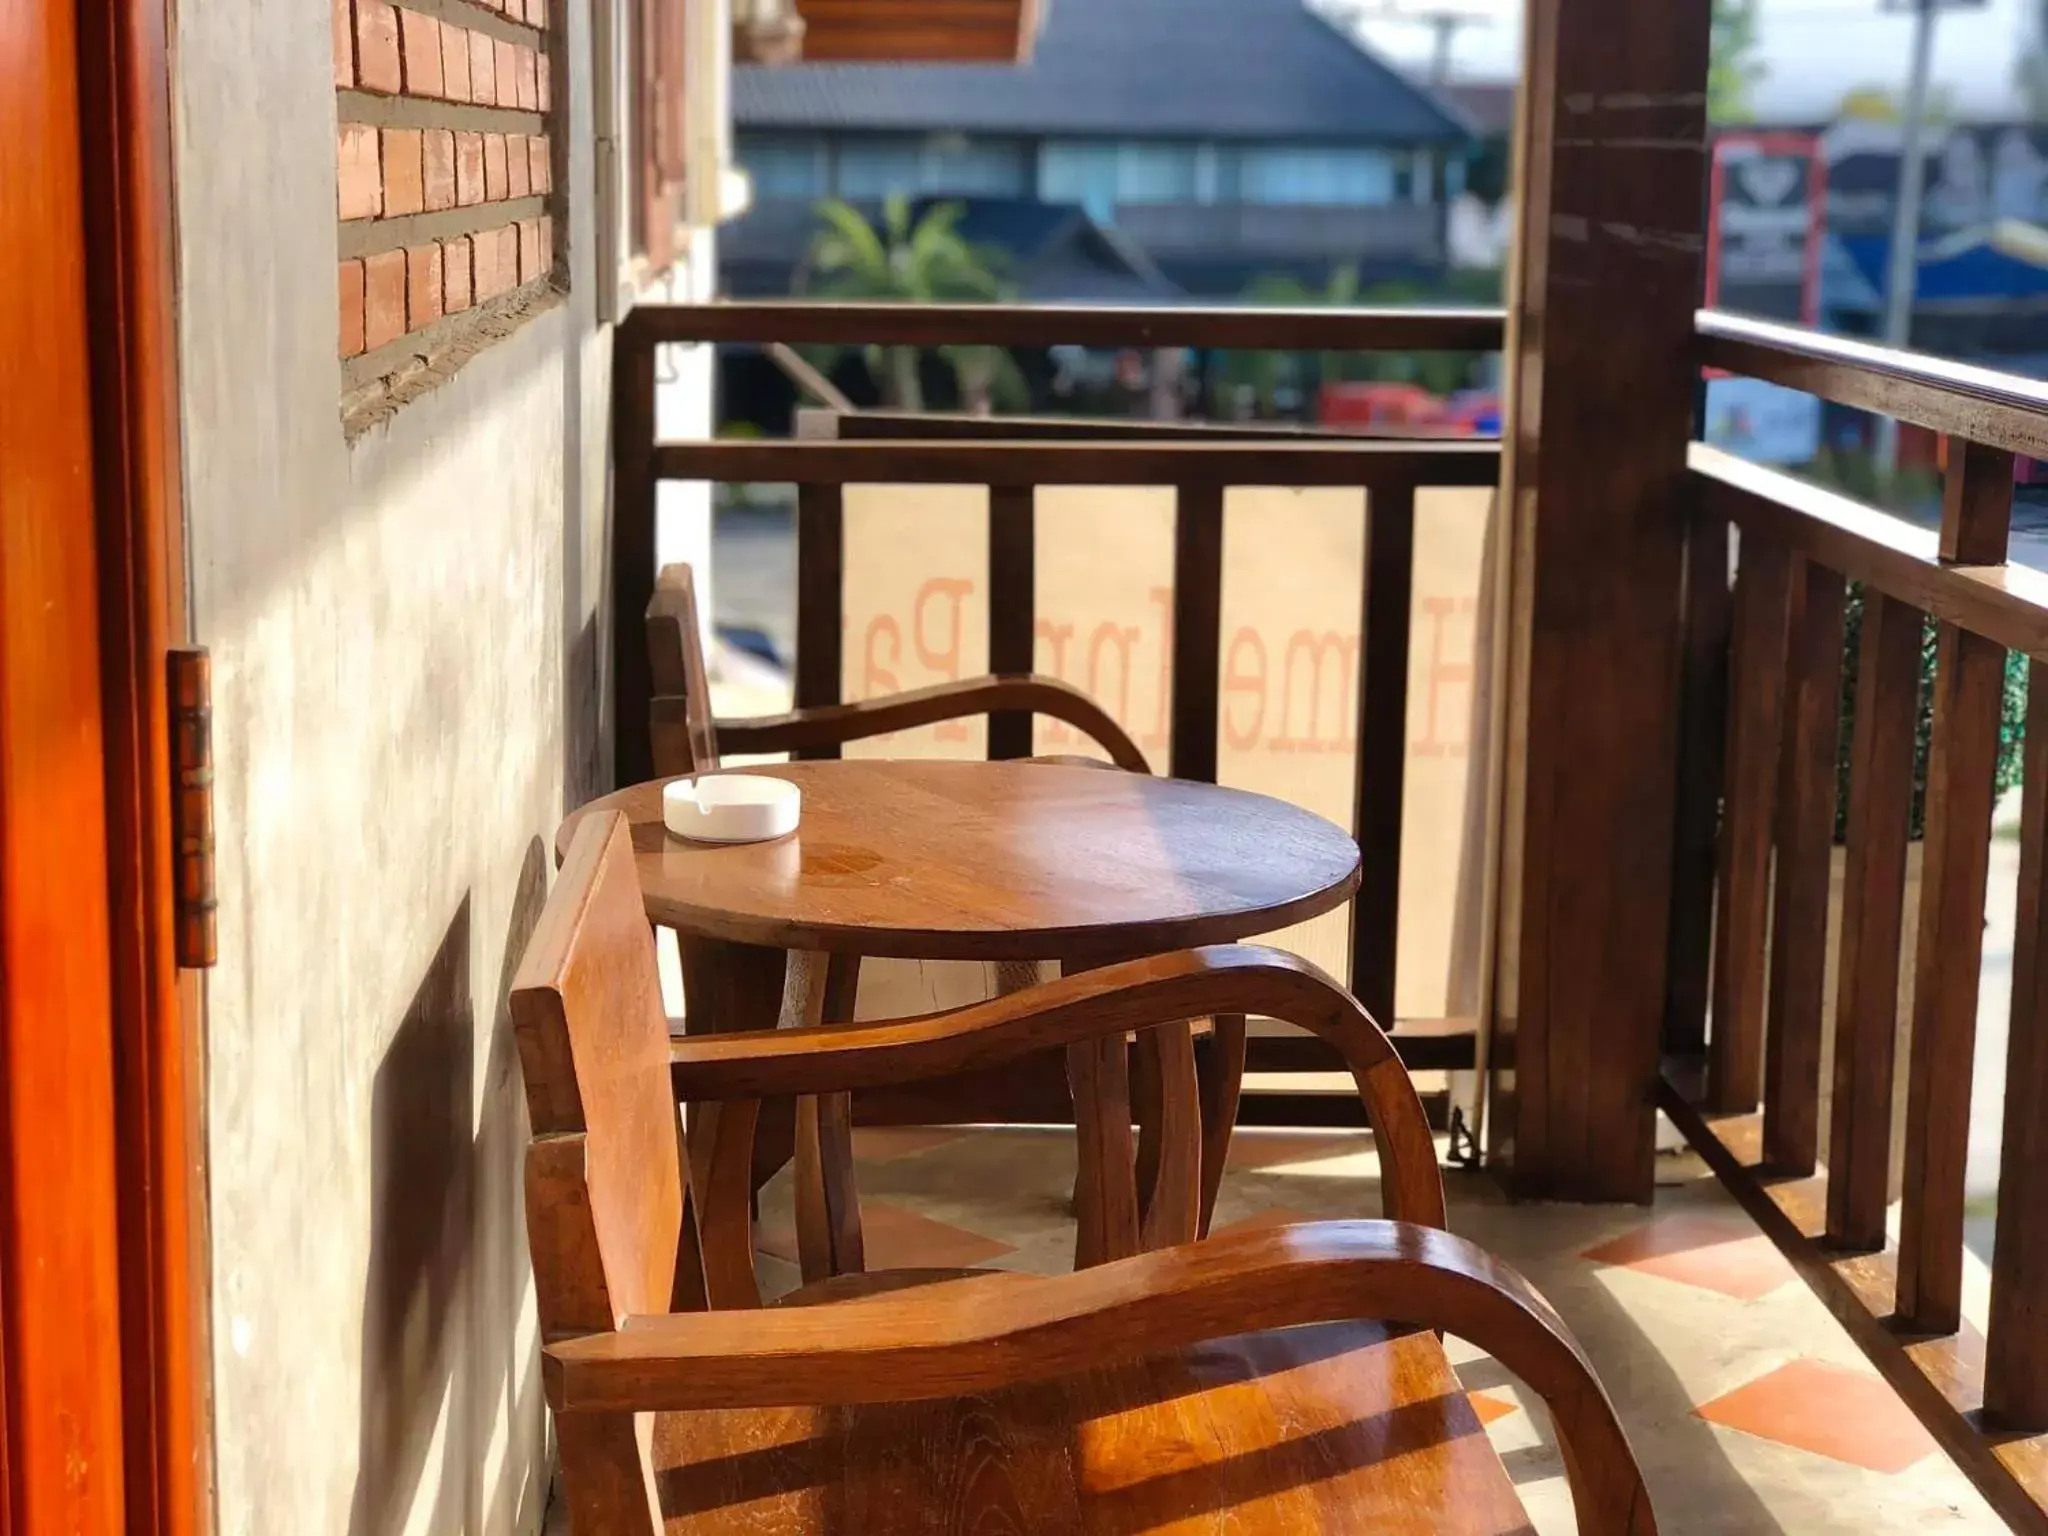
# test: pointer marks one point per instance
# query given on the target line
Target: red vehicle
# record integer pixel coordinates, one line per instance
(1470, 413)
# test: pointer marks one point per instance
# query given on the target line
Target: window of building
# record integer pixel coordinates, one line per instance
(968, 167)
(785, 166)
(1316, 174)
(872, 169)
(1099, 176)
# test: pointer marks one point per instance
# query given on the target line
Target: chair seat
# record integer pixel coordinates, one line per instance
(1345, 1428)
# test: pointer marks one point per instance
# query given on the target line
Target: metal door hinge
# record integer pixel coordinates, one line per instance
(191, 696)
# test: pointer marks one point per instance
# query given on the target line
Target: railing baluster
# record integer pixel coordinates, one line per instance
(2016, 1344)
(1867, 1004)
(1969, 686)
(1380, 773)
(1012, 606)
(1756, 690)
(1702, 732)
(1805, 847)
(632, 551)
(1955, 858)
(820, 599)
(1197, 629)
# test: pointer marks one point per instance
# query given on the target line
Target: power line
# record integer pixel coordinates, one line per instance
(1444, 24)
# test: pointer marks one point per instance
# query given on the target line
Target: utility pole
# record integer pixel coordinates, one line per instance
(1444, 24)
(1904, 275)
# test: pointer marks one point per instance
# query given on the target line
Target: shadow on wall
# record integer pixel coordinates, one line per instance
(448, 1278)
(584, 759)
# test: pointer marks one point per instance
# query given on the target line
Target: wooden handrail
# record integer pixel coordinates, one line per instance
(2006, 603)
(1015, 463)
(893, 426)
(1044, 325)
(2001, 410)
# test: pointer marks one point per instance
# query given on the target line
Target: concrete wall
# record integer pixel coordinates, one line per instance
(406, 664)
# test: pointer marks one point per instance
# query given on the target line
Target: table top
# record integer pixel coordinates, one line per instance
(993, 861)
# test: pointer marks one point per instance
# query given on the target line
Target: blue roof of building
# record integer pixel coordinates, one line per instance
(1125, 69)
(1057, 253)
(1970, 270)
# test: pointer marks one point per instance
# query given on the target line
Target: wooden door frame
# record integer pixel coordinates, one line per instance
(107, 1058)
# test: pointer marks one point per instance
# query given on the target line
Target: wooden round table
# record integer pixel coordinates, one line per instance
(993, 861)
(1003, 861)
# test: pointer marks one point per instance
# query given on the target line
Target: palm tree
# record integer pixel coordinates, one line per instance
(922, 262)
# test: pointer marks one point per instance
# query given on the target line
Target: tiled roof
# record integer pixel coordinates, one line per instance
(1219, 69)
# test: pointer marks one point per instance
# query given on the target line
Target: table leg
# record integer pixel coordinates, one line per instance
(727, 987)
(828, 1234)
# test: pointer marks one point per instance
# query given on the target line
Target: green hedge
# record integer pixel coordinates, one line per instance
(2011, 725)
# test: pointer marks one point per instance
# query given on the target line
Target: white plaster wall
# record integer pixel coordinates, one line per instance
(406, 674)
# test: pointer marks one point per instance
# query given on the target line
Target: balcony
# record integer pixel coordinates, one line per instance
(1727, 1033)
(1853, 1185)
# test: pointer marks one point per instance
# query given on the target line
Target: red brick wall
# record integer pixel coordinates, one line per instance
(444, 169)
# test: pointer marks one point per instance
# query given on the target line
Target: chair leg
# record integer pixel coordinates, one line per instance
(828, 1231)
(1220, 1070)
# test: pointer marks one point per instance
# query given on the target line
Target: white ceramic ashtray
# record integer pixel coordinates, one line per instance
(732, 808)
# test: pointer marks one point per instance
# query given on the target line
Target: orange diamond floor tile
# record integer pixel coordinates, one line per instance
(1829, 1410)
(1714, 1252)
(1489, 1408)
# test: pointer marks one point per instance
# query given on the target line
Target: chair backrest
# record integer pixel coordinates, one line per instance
(604, 1184)
(685, 740)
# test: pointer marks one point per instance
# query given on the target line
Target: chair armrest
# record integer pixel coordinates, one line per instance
(1226, 979)
(833, 725)
(985, 1333)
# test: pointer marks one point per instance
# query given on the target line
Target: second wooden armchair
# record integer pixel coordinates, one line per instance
(1252, 1383)
(688, 739)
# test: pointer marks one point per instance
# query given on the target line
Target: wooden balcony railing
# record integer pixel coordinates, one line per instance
(1012, 458)
(1753, 887)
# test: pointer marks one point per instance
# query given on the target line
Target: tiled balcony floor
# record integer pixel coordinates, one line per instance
(1749, 1407)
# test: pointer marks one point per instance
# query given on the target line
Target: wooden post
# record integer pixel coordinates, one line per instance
(1611, 151)
(1012, 606)
(632, 551)
(1197, 629)
(1379, 779)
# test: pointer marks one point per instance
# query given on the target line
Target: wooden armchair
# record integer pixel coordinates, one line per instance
(1242, 1383)
(687, 739)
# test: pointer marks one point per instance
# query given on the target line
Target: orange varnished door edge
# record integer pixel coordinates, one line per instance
(102, 1305)
(159, 1059)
